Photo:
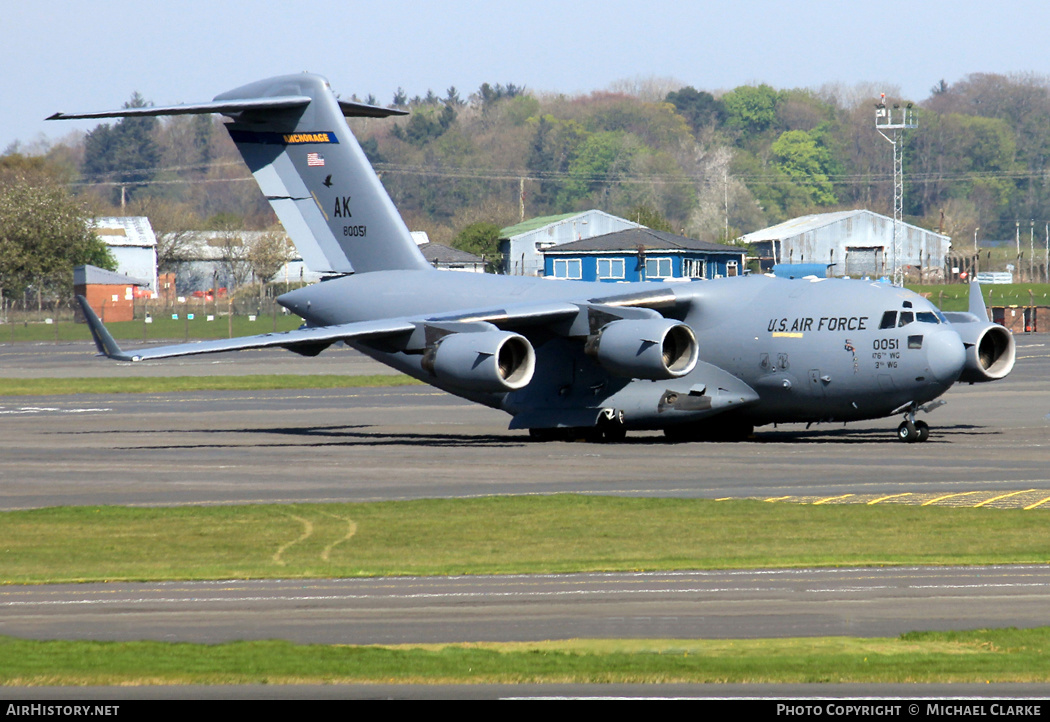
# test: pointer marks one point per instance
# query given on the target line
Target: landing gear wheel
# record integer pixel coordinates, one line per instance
(908, 432)
(543, 434)
(614, 433)
(922, 430)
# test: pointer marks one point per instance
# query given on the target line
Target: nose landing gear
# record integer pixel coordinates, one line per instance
(911, 431)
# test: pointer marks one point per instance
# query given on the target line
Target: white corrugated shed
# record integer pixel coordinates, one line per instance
(133, 244)
(200, 256)
(857, 242)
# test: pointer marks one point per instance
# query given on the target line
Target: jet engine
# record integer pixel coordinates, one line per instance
(488, 361)
(654, 348)
(990, 349)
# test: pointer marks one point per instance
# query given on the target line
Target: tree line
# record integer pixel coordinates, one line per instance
(711, 165)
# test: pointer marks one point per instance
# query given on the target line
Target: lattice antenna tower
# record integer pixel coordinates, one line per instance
(891, 122)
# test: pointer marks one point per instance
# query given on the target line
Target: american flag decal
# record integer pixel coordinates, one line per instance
(314, 159)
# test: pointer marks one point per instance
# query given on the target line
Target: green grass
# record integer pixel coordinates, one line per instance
(182, 384)
(956, 297)
(562, 533)
(1007, 655)
(163, 327)
(534, 534)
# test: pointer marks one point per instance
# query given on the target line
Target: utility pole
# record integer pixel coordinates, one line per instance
(1031, 252)
(891, 124)
(725, 187)
(976, 256)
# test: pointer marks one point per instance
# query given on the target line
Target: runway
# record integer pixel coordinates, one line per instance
(415, 442)
(726, 604)
(990, 446)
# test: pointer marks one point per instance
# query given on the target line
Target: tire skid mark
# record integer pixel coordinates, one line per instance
(351, 529)
(308, 530)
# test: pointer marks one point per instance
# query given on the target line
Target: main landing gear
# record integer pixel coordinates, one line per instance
(610, 429)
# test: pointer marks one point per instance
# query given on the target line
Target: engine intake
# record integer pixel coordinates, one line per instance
(654, 349)
(990, 351)
(488, 361)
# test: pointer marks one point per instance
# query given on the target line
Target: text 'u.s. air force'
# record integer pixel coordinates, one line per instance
(825, 323)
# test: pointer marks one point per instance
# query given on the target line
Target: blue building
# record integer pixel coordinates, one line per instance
(522, 245)
(641, 254)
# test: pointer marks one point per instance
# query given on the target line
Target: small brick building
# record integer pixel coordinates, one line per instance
(111, 295)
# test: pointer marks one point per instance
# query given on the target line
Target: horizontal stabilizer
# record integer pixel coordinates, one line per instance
(293, 135)
(226, 107)
(233, 107)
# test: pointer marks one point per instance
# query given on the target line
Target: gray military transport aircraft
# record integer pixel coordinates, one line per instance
(699, 360)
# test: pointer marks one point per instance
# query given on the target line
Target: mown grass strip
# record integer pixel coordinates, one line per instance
(163, 327)
(956, 297)
(180, 384)
(534, 534)
(1007, 655)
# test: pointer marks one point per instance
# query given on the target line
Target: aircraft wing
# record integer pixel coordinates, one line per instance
(308, 341)
(570, 318)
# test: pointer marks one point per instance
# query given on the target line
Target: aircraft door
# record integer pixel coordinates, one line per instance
(816, 384)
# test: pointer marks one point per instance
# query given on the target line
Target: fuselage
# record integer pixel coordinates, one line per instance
(777, 350)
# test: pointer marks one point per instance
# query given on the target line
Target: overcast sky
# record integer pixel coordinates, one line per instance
(79, 56)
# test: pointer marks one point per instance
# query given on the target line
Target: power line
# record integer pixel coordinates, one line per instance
(516, 175)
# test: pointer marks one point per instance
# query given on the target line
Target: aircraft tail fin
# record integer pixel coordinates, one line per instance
(977, 307)
(291, 131)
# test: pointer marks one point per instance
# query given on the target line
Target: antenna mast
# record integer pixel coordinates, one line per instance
(891, 124)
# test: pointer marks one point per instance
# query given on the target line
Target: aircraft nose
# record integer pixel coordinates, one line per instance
(945, 356)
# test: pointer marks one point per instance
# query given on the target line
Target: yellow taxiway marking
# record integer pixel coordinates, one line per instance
(1025, 499)
(947, 496)
(1002, 496)
(1038, 503)
(884, 498)
(832, 498)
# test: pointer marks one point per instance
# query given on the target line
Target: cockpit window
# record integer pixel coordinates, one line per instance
(926, 317)
(906, 317)
(942, 317)
(889, 320)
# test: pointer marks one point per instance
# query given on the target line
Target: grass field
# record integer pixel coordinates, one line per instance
(956, 297)
(1007, 655)
(162, 327)
(183, 384)
(948, 297)
(501, 535)
(562, 533)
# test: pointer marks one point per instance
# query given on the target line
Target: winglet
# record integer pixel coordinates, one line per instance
(977, 307)
(103, 340)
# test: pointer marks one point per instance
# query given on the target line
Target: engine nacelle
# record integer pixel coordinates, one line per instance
(990, 348)
(655, 348)
(487, 361)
